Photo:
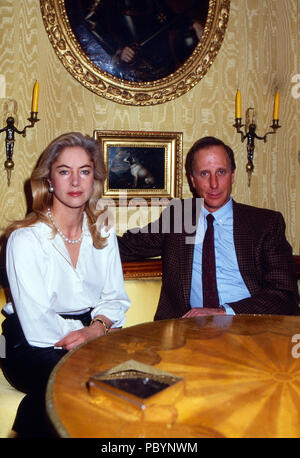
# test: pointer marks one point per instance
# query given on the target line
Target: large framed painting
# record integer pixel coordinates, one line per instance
(142, 167)
(136, 52)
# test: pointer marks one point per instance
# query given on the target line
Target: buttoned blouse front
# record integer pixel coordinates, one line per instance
(44, 283)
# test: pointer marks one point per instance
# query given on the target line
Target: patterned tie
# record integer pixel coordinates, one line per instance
(209, 281)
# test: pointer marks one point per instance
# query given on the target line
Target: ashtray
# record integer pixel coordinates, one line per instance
(137, 384)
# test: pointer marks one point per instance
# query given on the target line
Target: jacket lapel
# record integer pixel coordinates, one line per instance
(243, 240)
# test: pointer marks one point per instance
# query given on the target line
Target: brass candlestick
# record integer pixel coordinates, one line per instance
(251, 136)
(10, 130)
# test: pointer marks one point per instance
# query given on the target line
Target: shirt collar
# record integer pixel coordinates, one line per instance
(224, 213)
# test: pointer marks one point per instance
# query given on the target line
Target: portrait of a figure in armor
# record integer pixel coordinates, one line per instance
(138, 40)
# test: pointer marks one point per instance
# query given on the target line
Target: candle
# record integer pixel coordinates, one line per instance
(238, 111)
(276, 106)
(35, 98)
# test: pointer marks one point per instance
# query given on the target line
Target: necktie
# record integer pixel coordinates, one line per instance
(209, 281)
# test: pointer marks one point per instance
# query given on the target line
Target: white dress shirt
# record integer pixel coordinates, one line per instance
(44, 283)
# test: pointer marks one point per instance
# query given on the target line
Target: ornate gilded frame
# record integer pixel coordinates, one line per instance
(126, 92)
(161, 155)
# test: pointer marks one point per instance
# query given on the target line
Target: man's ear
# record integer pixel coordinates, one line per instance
(192, 181)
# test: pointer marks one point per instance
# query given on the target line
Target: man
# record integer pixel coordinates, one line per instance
(254, 271)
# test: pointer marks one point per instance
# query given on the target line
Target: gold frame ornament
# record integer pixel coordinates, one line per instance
(158, 155)
(91, 76)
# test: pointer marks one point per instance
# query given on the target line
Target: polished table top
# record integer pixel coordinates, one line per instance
(239, 377)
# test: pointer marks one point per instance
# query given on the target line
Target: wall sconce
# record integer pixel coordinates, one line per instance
(10, 130)
(251, 128)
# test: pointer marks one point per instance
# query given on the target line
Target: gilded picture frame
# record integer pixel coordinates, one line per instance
(73, 43)
(142, 167)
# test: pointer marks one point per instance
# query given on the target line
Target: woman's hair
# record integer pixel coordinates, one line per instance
(42, 198)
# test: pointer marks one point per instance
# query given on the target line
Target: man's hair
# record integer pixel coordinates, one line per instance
(202, 143)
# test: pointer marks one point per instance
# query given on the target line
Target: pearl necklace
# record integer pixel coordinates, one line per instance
(63, 236)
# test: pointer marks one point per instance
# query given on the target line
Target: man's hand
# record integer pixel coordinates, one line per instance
(127, 54)
(201, 311)
(198, 28)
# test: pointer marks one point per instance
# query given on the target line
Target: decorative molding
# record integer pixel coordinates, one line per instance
(142, 270)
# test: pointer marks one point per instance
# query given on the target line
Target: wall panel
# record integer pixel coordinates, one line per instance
(258, 55)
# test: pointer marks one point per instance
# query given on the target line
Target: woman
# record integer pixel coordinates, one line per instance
(64, 273)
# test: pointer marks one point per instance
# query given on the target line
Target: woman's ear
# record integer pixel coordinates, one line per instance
(50, 185)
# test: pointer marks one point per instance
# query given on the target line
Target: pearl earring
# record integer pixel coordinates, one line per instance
(51, 189)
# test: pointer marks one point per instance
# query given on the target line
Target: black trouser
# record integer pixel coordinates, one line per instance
(28, 368)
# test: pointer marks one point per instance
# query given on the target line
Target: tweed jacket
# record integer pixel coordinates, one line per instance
(263, 253)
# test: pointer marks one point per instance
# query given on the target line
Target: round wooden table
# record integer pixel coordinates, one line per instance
(235, 376)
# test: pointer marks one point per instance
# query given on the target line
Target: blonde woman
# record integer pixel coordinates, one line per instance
(64, 273)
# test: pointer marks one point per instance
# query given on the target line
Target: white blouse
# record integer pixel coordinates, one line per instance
(44, 282)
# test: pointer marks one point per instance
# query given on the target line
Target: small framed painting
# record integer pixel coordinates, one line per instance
(144, 166)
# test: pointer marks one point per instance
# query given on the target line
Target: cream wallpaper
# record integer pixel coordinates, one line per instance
(260, 53)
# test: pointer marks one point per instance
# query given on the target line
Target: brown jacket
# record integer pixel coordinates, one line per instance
(263, 253)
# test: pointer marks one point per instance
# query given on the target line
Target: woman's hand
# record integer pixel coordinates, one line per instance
(75, 338)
